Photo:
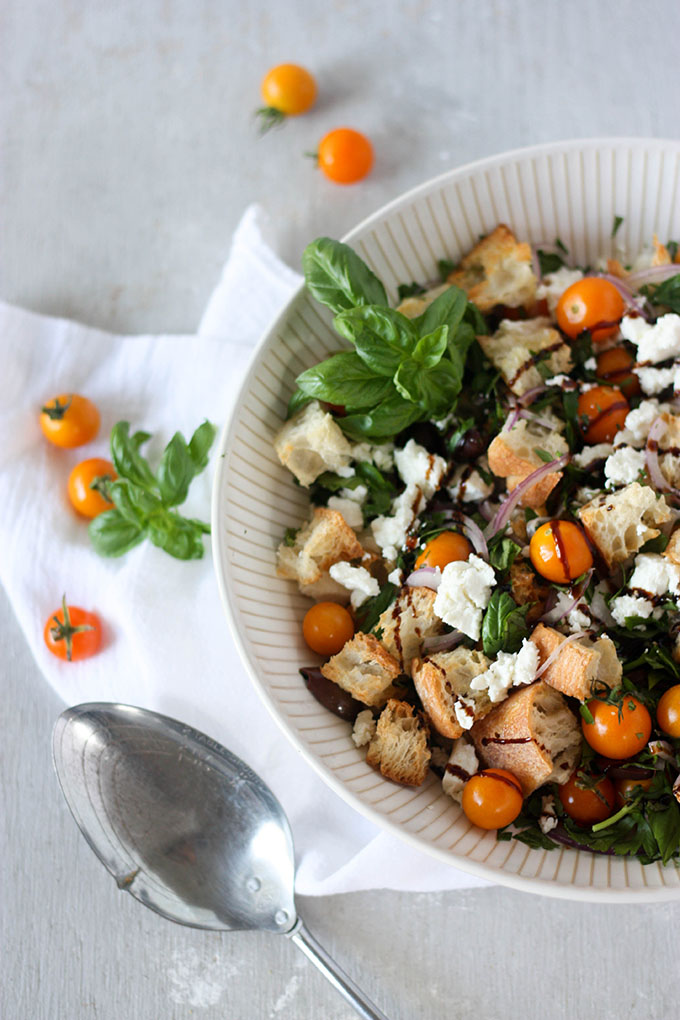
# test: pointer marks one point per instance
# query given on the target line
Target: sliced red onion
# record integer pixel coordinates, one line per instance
(476, 536)
(442, 642)
(654, 274)
(551, 617)
(544, 422)
(512, 419)
(424, 577)
(626, 291)
(486, 510)
(560, 648)
(654, 471)
(509, 504)
(528, 398)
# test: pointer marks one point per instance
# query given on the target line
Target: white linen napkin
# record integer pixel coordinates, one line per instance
(167, 643)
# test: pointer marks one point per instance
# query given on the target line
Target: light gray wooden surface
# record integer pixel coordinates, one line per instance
(128, 153)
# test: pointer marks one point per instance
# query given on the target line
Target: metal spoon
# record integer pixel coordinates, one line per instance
(185, 826)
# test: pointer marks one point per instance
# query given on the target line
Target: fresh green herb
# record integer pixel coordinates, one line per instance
(672, 249)
(289, 536)
(504, 626)
(406, 290)
(618, 220)
(561, 245)
(544, 455)
(372, 609)
(144, 502)
(549, 261)
(445, 267)
(666, 294)
(502, 553)
(338, 278)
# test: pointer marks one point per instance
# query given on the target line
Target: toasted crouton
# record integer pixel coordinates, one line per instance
(310, 443)
(517, 346)
(661, 256)
(365, 669)
(582, 667)
(527, 587)
(669, 441)
(399, 748)
(323, 540)
(512, 455)
(672, 550)
(405, 624)
(442, 681)
(498, 271)
(619, 523)
(414, 306)
(533, 734)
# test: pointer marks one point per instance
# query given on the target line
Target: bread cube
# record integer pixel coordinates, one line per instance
(582, 667)
(498, 271)
(405, 624)
(312, 442)
(517, 346)
(512, 455)
(399, 748)
(365, 669)
(442, 681)
(322, 541)
(619, 523)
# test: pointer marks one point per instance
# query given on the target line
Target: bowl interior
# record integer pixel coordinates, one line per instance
(569, 190)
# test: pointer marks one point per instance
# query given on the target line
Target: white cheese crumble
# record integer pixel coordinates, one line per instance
(624, 466)
(653, 576)
(349, 509)
(655, 342)
(364, 728)
(390, 531)
(464, 711)
(590, 365)
(553, 285)
(418, 467)
(511, 669)
(468, 486)
(357, 580)
(463, 758)
(589, 454)
(558, 380)
(654, 380)
(547, 819)
(577, 618)
(396, 576)
(638, 423)
(464, 594)
(381, 455)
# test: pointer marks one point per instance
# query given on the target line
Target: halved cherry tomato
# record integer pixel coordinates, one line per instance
(588, 806)
(602, 411)
(628, 789)
(560, 552)
(443, 549)
(615, 365)
(72, 633)
(326, 628)
(668, 711)
(492, 798)
(287, 90)
(593, 304)
(69, 420)
(87, 500)
(345, 155)
(620, 730)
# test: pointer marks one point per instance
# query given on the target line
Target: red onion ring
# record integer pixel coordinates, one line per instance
(655, 274)
(512, 419)
(553, 655)
(486, 510)
(528, 398)
(544, 422)
(476, 536)
(626, 292)
(550, 617)
(424, 577)
(442, 642)
(509, 504)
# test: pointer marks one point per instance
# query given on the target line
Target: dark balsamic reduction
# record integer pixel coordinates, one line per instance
(533, 360)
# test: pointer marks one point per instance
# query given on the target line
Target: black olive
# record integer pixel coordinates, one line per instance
(330, 695)
(470, 446)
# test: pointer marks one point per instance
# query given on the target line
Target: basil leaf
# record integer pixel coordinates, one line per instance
(665, 825)
(502, 554)
(666, 294)
(338, 278)
(445, 268)
(126, 457)
(297, 402)
(434, 390)
(370, 611)
(345, 379)
(112, 534)
(549, 261)
(504, 626)
(177, 536)
(200, 443)
(381, 336)
(431, 347)
(384, 421)
(405, 290)
(133, 502)
(446, 310)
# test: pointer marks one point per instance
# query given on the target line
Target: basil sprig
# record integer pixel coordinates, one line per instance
(401, 370)
(504, 626)
(144, 502)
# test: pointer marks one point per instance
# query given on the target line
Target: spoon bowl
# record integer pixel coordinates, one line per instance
(185, 826)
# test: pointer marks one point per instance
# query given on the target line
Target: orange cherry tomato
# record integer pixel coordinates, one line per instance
(288, 90)
(617, 731)
(587, 304)
(492, 798)
(615, 365)
(668, 711)
(602, 411)
(443, 549)
(69, 420)
(628, 789)
(87, 500)
(560, 552)
(326, 628)
(72, 633)
(586, 807)
(345, 155)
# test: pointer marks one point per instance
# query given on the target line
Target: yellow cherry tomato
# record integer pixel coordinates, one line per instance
(69, 420)
(593, 304)
(587, 806)
(668, 711)
(560, 552)
(443, 549)
(602, 412)
(287, 90)
(617, 731)
(88, 501)
(616, 366)
(327, 627)
(345, 155)
(492, 798)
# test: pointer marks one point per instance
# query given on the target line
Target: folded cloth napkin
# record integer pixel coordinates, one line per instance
(167, 643)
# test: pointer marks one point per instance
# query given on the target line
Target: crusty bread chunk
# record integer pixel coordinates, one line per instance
(405, 624)
(533, 734)
(443, 680)
(498, 271)
(517, 346)
(619, 523)
(414, 306)
(669, 463)
(400, 748)
(582, 667)
(365, 669)
(512, 455)
(310, 443)
(672, 550)
(527, 587)
(323, 540)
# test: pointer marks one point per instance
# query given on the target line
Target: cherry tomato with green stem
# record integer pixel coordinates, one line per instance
(72, 633)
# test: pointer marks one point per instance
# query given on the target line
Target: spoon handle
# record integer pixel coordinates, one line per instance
(305, 941)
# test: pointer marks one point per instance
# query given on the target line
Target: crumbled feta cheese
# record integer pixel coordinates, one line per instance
(558, 380)
(511, 669)
(599, 605)
(464, 763)
(350, 510)
(589, 454)
(357, 580)
(553, 285)
(652, 577)
(380, 455)
(630, 605)
(547, 819)
(624, 466)
(464, 594)
(654, 380)
(390, 531)
(346, 472)
(468, 486)
(655, 342)
(396, 576)
(464, 711)
(418, 467)
(590, 365)
(638, 423)
(577, 618)
(364, 728)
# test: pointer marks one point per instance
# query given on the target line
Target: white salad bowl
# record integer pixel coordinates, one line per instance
(571, 190)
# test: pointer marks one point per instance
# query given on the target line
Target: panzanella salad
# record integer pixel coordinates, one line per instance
(493, 469)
